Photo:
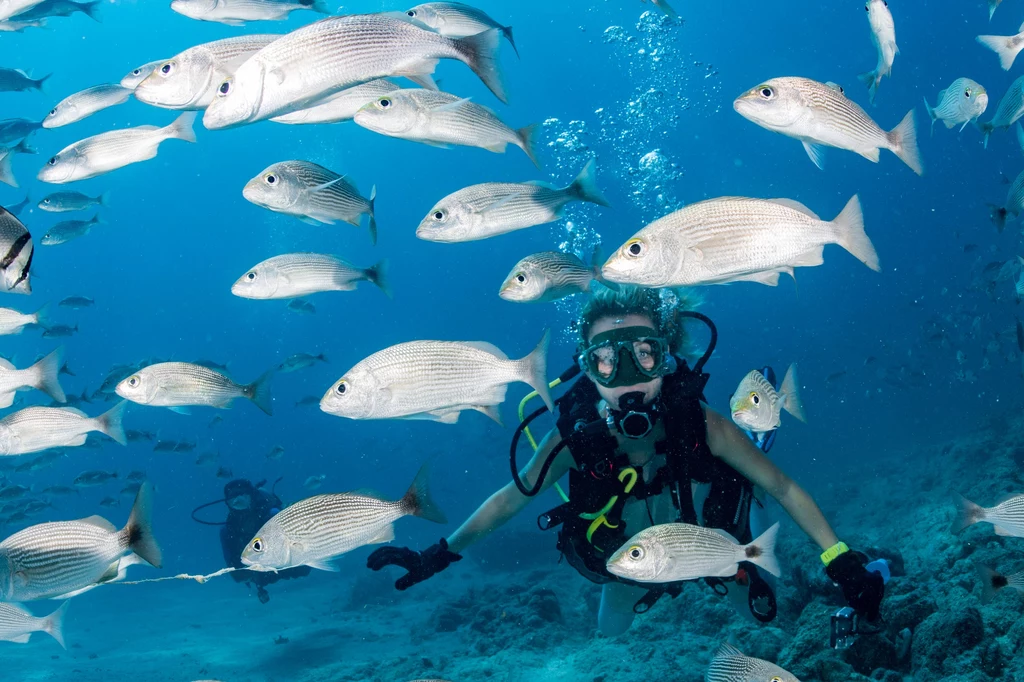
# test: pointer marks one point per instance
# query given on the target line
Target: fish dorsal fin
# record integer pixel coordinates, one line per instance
(99, 522)
(727, 650)
(796, 206)
(725, 534)
(540, 183)
(836, 86)
(942, 93)
(74, 410)
(369, 492)
(487, 348)
(6, 364)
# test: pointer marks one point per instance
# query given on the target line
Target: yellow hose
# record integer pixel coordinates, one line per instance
(529, 436)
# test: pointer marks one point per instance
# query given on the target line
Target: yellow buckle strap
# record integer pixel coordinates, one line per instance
(829, 555)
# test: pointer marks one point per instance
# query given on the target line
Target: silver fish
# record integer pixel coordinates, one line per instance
(883, 34)
(434, 380)
(91, 479)
(301, 305)
(736, 239)
(237, 12)
(1009, 110)
(35, 429)
(7, 155)
(1006, 47)
(300, 274)
(680, 551)
(16, 252)
(276, 453)
(339, 107)
(549, 276)
(1014, 205)
(60, 8)
(332, 54)
(16, 80)
(15, 129)
(317, 530)
(109, 151)
(442, 119)
(312, 193)
(1007, 516)
(86, 103)
(494, 208)
(458, 20)
(13, 26)
(65, 231)
(190, 80)
(14, 322)
(181, 384)
(820, 115)
(314, 482)
(42, 376)
(17, 624)
(962, 102)
(756, 405)
(11, 8)
(139, 74)
(730, 665)
(301, 361)
(67, 558)
(62, 202)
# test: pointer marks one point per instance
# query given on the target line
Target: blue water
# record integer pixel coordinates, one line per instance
(177, 233)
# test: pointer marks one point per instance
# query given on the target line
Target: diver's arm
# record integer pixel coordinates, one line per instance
(509, 501)
(730, 445)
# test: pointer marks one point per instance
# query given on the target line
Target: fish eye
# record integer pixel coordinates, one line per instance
(53, 112)
(251, 275)
(867, 6)
(384, 103)
(257, 545)
(52, 161)
(46, 201)
(342, 387)
(224, 88)
(271, 179)
(133, 380)
(766, 91)
(520, 277)
(777, 678)
(636, 552)
(136, 72)
(755, 398)
(634, 247)
(411, 13)
(440, 215)
(967, 93)
(167, 68)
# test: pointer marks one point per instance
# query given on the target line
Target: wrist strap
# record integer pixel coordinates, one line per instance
(829, 555)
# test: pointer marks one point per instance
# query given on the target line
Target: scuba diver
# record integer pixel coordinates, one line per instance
(641, 448)
(249, 507)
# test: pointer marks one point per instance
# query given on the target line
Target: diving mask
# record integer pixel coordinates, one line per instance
(626, 357)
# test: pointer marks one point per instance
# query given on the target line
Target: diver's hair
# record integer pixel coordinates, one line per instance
(661, 305)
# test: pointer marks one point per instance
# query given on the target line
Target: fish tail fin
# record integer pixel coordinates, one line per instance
(992, 4)
(43, 316)
(45, 375)
(320, 6)
(528, 141)
(903, 143)
(761, 552)
(139, 529)
(181, 128)
(986, 130)
(417, 500)
(110, 423)
(851, 236)
(53, 624)
(871, 79)
(259, 392)
(997, 214)
(378, 274)
(1004, 48)
(585, 188)
(91, 10)
(968, 514)
(991, 583)
(96, 220)
(104, 199)
(1020, 137)
(373, 216)
(6, 172)
(790, 389)
(507, 32)
(533, 370)
(39, 83)
(596, 263)
(480, 53)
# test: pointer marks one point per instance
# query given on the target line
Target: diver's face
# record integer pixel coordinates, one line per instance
(240, 502)
(651, 388)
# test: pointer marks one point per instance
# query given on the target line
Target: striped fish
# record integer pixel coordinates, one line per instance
(1007, 516)
(189, 80)
(14, 322)
(312, 193)
(670, 552)
(83, 104)
(42, 376)
(458, 20)
(339, 107)
(316, 531)
(1013, 207)
(7, 155)
(109, 151)
(962, 102)
(16, 262)
(756, 406)
(735, 239)
(34, 429)
(332, 54)
(442, 119)
(237, 12)
(300, 274)
(993, 582)
(140, 73)
(1006, 47)
(494, 208)
(730, 665)
(549, 276)
(65, 558)
(1010, 108)
(17, 624)
(883, 34)
(820, 115)
(181, 384)
(434, 380)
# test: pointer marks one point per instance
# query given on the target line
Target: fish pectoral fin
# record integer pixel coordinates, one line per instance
(111, 573)
(796, 206)
(452, 106)
(75, 593)
(816, 152)
(21, 578)
(320, 219)
(809, 259)
(500, 202)
(871, 155)
(696, 253)
(180, 409)
(327, 184)
(445, 418)
(20, 639)
(277, 76)
(309, 221)
(963, 126)
(770, 278)
(1002, 531)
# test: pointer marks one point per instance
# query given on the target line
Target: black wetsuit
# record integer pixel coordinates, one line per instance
(240, 528)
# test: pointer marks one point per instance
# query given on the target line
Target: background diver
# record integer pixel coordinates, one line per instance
(249, 507)
(641, 448)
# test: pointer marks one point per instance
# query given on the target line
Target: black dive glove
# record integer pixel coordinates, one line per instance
(421, 565)
(863, 589)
